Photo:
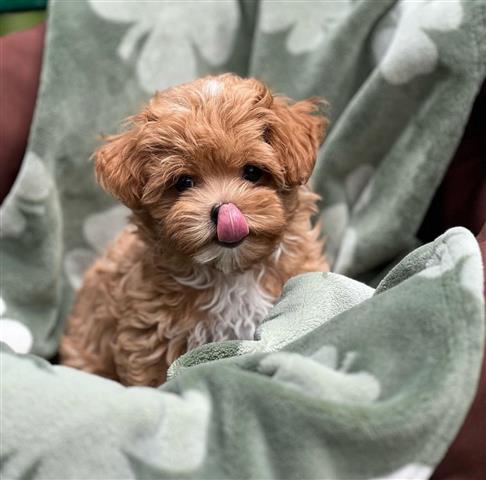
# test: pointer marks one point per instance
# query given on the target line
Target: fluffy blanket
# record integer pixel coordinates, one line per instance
(343, 381)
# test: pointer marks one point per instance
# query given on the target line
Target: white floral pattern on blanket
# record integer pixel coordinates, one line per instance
(14, 333)
(402, 45)
(412, 471)
(167, 56)
(183, 429)
(322, 376)
(28, 196)
(308, 22)
(99, 229)
(358, 189)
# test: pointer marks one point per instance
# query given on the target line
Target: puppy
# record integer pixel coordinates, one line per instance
(215, 173)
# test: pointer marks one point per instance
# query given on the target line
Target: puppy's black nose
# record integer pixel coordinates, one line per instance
(214, 214)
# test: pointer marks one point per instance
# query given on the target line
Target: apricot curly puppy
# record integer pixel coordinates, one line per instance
(215, 173)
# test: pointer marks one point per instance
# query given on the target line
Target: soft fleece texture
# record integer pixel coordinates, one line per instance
(377, 173)
(343, 382)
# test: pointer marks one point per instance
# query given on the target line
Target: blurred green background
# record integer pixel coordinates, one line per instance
(18, 15)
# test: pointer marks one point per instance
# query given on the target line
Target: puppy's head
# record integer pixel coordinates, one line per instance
(215, 165)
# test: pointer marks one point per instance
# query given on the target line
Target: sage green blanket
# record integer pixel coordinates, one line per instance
(342, 381)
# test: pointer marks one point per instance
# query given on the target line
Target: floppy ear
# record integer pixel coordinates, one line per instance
(297, 134)
(119, 167)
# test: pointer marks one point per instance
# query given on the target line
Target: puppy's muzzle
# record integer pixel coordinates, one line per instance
(231, 225)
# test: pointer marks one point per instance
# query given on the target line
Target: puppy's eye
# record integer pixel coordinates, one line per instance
(184, 182)
(252, 173)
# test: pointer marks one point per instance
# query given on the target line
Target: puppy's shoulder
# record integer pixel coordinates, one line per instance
(126, 246)
(119, 257)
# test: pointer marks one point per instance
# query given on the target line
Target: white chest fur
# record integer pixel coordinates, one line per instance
(236, 307)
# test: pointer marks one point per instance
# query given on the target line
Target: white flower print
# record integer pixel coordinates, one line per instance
(168, 53)
(28, 194)
(99, 230)
(322, 376)
(14, 333)
(308, 22)
(402, 46)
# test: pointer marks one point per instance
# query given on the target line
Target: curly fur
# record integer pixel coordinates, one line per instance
(165, 286)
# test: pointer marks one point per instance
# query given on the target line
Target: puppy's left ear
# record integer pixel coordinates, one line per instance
(119, 167)
(297, 135)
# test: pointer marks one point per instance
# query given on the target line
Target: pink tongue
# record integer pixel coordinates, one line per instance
(231, 226)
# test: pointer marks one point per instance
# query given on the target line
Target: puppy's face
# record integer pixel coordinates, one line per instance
(215, 165)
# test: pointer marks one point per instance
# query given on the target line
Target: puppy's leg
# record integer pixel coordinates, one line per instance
(86, 344)
(143, 353)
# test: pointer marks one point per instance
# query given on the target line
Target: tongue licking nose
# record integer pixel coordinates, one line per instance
(231, 225)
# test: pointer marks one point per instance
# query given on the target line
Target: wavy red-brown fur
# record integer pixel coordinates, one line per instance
(133, 315)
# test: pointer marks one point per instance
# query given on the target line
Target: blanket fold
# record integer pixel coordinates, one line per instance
(342, 380)
(355, 383)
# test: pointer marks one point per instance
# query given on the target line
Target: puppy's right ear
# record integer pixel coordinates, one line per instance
(119, 168)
